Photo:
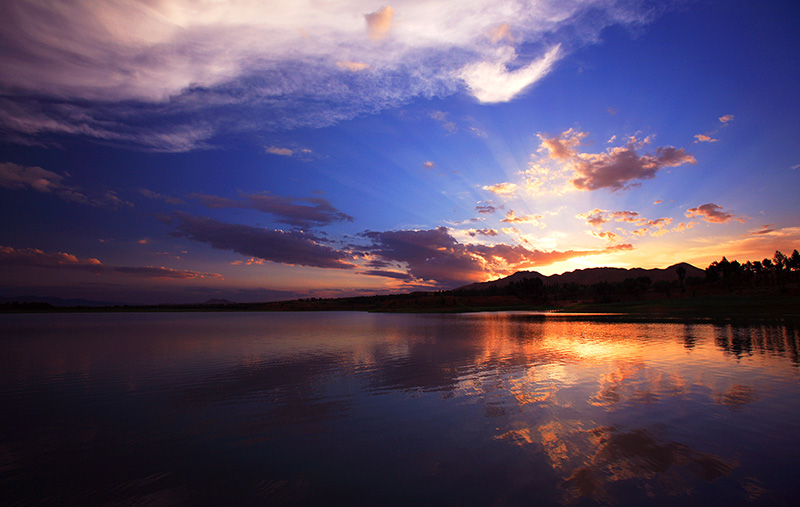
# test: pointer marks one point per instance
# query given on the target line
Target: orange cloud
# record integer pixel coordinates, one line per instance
(352, 66)
(726, 119)
(501, 188)
(434, 255)
(561, 147)
(428, 165)
(379, 23)
(702, 138)
(512, 219)
(607, 235)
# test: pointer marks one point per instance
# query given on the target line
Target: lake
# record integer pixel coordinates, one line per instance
(397, 409)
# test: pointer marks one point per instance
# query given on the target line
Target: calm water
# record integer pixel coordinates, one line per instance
(322, 408)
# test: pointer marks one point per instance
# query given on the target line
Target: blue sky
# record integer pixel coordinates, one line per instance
(177, 151)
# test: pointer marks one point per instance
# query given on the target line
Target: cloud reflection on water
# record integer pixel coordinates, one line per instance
(611, 410)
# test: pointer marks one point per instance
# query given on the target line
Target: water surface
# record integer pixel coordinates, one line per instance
(382, 409)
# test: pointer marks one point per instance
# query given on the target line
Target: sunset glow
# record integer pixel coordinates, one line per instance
(178, 151)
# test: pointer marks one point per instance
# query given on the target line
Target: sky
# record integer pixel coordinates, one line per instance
(176, 151)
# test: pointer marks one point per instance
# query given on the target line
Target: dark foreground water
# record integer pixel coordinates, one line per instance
(376, 409)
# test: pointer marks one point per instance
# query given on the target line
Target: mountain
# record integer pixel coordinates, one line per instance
(593, 275)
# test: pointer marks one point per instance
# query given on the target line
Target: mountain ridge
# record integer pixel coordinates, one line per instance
(588, 276)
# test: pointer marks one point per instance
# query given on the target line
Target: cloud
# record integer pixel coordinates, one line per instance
(501, 33)
(285, 247)
(562, 146)
(501, 188)
(491, 81)
(702, 138)
(388, 274)
(563, 167)
(379, 23)
(621, 168)
(441, 117)
(15, 177)
(486, 208)
(513, 219)
(726, 119)
(659, 201)
(434, 255)
(172, 75)
(428, 165)
(764, 229)
(352, 66)
(713, 213)
(286, 152)
(599, 217)
(482, 232)
(160, 197)
(683, 226)
(319, 211)
(34, 258)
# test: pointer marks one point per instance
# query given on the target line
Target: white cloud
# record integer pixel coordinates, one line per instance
(179, 57)
(491, 81)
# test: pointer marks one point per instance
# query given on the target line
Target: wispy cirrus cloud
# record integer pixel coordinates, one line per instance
(300, 212)
(285, 247)
(713, 213)
(195, 69)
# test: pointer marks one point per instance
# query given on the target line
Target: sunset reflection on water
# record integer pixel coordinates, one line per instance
(391, 409)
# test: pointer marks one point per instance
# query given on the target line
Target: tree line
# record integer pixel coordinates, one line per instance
(778, 270)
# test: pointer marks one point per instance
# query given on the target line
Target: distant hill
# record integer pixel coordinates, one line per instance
(593, 275)
(56, 301)
(218, 302)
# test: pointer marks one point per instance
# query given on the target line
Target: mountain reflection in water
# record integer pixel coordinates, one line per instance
(506, 408)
